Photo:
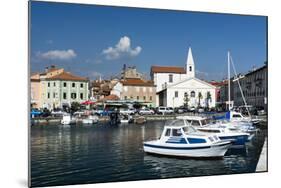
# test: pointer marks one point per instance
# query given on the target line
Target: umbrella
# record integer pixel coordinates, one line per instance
(88, 102)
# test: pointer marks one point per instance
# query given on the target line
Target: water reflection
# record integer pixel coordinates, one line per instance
(101, 153)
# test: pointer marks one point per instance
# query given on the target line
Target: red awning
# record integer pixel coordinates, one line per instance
(88, 102)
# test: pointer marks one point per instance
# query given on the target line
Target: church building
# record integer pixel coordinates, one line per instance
(178, 86)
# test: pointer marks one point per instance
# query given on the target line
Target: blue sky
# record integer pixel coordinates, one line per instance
(91, 40)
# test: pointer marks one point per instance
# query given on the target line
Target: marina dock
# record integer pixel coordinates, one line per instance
(262, 164)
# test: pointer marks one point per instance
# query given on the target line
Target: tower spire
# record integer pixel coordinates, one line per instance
(190, 67)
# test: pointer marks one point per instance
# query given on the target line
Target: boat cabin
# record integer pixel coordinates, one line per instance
(196, 121)
(179, 132)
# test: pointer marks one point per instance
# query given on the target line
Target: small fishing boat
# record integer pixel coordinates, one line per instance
(125, 119)
(238, 118)
(207, 126)
(67, 119)
(90, 119)
(181, 140)
(140, 119)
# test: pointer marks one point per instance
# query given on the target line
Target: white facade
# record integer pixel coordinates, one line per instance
(173, 95)
(170, 92)
(117, 89)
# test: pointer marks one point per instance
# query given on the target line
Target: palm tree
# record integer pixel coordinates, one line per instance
(185, 99)
(199, 97)
(209, 97)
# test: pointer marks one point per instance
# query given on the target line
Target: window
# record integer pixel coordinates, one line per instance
(170, 78)
(48, 84)
(195, 123)
(54, 84)
(150, 98)
(190, 68)
(81, 85)
(73, 84)
(125, 97)
(192, 94)
(73, 95)
(144, 98)
(236, 116)
(176, 132)
(48, 95)
(64, 95)
(54, 95)
(176, 94)
(81, 96)
(138, 97)
(64, 84)
(168, 132)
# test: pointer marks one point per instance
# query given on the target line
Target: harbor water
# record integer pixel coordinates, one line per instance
(75, 154)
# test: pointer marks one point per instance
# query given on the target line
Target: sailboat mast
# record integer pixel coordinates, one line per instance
(228, 66)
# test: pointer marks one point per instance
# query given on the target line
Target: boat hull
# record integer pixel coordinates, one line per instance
(207, 151)
(239, 140)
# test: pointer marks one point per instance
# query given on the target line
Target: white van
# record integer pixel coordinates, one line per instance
(165, 110)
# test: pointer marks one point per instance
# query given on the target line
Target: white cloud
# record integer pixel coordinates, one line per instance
(121, 49)
(58, 54)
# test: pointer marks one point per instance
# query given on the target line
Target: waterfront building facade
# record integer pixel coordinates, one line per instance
(35, 91)
(176, 86)
(253, 85)
(56, 88)
(138, 90)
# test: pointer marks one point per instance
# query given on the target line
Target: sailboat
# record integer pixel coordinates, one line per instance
(235, 119)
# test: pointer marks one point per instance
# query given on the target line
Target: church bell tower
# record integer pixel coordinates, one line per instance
(190, 68)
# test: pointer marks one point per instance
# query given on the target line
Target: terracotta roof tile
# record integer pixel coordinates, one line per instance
(67, 76)
(109, 97)
(137, 82)
(170, 69)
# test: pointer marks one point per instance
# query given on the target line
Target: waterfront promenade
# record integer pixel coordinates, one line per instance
(262, 164)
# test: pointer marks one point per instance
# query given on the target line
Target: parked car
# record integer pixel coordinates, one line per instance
(199, 110)
(45, 113)
(181, 110)
(58, 112)
(35, 112)
(146, 111)
(191, 109)
(165, 110)
(129, 111)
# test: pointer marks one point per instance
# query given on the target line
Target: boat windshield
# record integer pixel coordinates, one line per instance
(178, 122)
(206, 121)
(189, 129)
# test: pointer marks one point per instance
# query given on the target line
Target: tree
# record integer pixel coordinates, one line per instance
(209, 97)
(75, 106)
(185, 100)
(199, 97)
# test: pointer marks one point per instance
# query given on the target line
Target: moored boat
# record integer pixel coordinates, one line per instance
(91, 119)
(182, 140)
(67, 119)
(126, 119)
(206, 126)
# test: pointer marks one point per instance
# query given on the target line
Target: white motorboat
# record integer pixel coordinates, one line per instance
(207, 126)
(126, 119)
(91, 119)
(67, 119)
(180, 140)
